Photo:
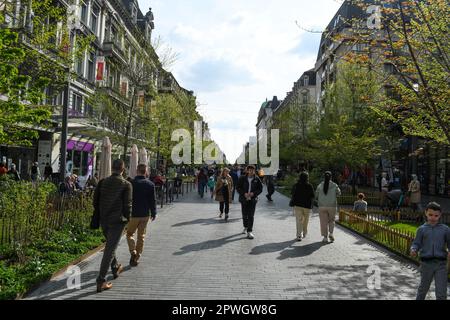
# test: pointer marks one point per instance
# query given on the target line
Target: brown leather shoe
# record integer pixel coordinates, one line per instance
(103, 286)
(118, 271)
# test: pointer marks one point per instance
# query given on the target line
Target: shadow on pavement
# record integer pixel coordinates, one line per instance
(271, 247)
(354, 281)
(205, 222)
(300, 251)
(88, 281)
(206, 245)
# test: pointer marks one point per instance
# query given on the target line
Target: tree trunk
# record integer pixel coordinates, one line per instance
(128, 129)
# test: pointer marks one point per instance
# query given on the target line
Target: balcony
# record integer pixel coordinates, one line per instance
(112, 49)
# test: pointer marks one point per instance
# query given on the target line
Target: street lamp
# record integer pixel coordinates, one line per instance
(73, 23)
(158, 144)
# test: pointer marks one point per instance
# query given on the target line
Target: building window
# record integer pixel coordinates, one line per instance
(306, 81)
(79, 66)
(84, 11)
(77, 103)
(94, 18)
(305, 98)
(91, 66)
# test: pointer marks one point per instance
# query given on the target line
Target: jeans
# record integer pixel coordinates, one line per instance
(248, 214)
(436, 269)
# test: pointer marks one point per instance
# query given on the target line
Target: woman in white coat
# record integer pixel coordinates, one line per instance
(326, 193)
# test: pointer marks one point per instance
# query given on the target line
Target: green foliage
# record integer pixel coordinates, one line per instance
(39, 247)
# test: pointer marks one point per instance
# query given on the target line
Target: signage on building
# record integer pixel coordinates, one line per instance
(100, 69)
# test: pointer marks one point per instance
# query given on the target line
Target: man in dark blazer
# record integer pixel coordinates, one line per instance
(112, 199)
(249, 187)
(144, 209)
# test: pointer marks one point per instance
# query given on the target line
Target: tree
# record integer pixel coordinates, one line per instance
(19, 111)
(35, 54)
(414, 37)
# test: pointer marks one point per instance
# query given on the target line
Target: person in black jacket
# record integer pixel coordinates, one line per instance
(249, 188)
(144, 202)
(302, 199)
(112, 200)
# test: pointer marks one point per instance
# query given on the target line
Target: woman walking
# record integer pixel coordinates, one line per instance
(302, 200)
(326, 193)
(223, 190)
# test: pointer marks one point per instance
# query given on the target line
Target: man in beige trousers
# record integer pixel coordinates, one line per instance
(326, 193)
(144, 202)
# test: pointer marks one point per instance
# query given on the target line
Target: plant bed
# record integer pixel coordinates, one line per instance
(22, 269)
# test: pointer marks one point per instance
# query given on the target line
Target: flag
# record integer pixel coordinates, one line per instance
(100, 68)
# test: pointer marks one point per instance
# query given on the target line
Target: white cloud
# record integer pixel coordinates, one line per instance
(237, 53)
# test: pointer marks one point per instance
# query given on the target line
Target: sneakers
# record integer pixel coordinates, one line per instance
(299, 238)
(250, 235)
(269, 198)
(325, 240)
(244, 231)
(331, 237)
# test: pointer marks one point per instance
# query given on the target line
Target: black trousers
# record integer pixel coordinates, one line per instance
(248, 214)
(226, 202)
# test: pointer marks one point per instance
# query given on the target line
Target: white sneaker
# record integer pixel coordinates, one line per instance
(325, 240)
(244, 231)
(331, 237)
(250, 235)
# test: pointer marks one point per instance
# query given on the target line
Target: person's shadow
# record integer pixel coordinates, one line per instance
(271, 247)
(87, 281)
(300, 251)
(206, 245)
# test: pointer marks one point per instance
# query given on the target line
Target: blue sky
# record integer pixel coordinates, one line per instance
(236, 53)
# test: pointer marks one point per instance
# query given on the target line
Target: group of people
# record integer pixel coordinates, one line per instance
(393, 197)
(119, 204)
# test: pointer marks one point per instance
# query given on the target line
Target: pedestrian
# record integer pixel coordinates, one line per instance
(35, 172)
(360, 205)
(414, 193)
(302, 197)
(48, 171)
(212, 185)
(222, 190)
(3, 169)
(143, 210)
(384, 185)
(13, 174)
(326, 194)
(432, 245)
(235, 176)
(113, 202)
(270, 187)
(92, 182)
(202, 180)
(249, 188)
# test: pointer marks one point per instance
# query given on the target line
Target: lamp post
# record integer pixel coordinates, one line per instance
(158, 144)
(73, 23)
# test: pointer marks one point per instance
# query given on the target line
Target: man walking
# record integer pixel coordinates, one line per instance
(144, 202)
(249, 188)
(270, 187)
(112, 199)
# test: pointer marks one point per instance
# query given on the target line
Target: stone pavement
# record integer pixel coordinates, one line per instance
(191, 254)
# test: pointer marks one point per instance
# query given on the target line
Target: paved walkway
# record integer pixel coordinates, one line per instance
(191, 254)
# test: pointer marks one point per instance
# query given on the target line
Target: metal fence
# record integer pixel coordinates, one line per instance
(68, 209)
